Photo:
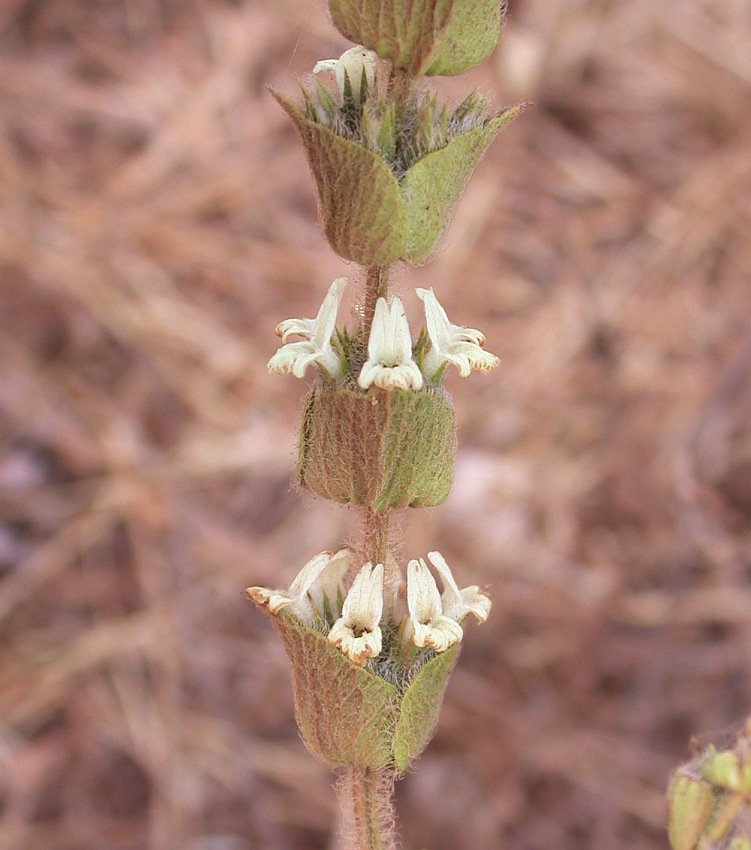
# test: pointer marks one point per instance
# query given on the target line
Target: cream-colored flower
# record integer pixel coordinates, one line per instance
(456, 603)
(427, 624)
(295, 357)
(357, 632)
(315, 587)
(327, 591)
(390, 364)
(462, 347)
(351, 63)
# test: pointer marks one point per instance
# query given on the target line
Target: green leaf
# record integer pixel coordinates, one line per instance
(377, 448)
(339, 452)
(364, 218)
(469, 36)
(422, 36)
(433, 185)
(346, 715)
(420, 706)
(417, 457)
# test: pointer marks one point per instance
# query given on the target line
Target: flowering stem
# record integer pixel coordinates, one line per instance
(365, 800)
(376, 542)
(376, 286)
(371, 544)
(399, 85)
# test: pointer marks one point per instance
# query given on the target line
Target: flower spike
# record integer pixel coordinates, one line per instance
(456, 604)
(427, 625)
(461, 347)
(295, 357)
(352, 63)
(315, 585)
(357, 632)
(390, 364)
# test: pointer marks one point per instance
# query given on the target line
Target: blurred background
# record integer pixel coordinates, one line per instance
(157, 220)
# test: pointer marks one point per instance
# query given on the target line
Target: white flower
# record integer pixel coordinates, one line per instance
(352, 63)
(316, 587)
(427, 624)
(357, 632)
(456, 603)
(390, 362)
(326, 592)
(462, 347)
(295, 357)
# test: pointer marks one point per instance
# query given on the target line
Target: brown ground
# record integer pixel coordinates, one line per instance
(157, 220)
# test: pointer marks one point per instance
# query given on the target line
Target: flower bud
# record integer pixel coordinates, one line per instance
(371, 217)
(422, 37)
(383, 449)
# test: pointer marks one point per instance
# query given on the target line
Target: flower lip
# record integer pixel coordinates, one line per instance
(357, 632)
(316, 348)
(427, 625)
(390, 364)
(456, 603)
(313, 588)
(461, 347)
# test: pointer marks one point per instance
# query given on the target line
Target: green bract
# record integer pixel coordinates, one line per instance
(383, 449)
(691, 803)
(371, 217)
(727, 770)
(351, 717)
(422, 37)
(710, 800)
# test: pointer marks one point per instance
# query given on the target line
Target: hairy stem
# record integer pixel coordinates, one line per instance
(399, 85)
(376, 542)
(371, 544)
(376, 286)
(367, 813)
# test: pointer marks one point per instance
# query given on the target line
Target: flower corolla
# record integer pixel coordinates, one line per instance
(316, 347)
(456, 603)
(352, 64)
(358, 632)
(390, 364)
(427, 624)
(314, 592)
(461, 347)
